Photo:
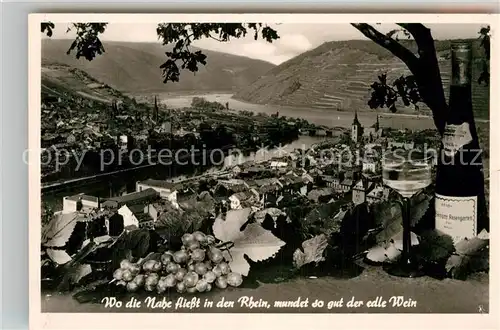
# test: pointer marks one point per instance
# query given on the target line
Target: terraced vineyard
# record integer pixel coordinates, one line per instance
(339, 78)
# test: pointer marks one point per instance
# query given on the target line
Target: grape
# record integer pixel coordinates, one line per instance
(172, 267)
(210, 276)
(191, 268)
(125, 264)
(215, 255)
(202, 285)
(221, 282)
(170, 280)
(139, 279)
(134, 269)
(162, 285)
(187, 239)
(217, 271)
(132, 286)
(166, 258)
(152, 279)
(191, 290)
(224, 267)
(127, 275)
(157, 266)
(200, 268)
(181, 287)
(200, 238)
(234, 279)
(198, 255)
(193, 246)
(149, 265)
(121, 283)
(191, 279)
(179, 275)
(208, 263)
(118, 274)
(181, 257)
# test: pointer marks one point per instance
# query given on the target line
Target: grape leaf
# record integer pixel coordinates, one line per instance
(397, 240)
(60, 257)
(382, 253)
(255, 242)
(57, 232)
(459, 264)
(313, 251)
(435, 246)
(419, 206)
(80, 272)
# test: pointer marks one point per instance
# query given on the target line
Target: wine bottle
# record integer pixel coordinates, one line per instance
(459, 203)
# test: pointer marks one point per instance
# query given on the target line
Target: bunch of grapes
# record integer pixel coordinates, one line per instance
(197, 267)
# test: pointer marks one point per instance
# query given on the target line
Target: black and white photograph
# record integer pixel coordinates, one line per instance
(216, 166)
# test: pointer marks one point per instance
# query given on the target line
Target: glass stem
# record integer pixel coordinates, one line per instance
(406, 215)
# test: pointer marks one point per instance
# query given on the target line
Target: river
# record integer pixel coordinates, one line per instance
(325, 117)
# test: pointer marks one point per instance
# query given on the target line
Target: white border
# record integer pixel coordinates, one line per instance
(251, 321)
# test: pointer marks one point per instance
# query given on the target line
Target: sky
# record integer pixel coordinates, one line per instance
(294, 38)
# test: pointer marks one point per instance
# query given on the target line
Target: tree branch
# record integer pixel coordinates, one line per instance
(390, 44)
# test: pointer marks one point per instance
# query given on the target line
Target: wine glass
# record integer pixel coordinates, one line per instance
(407, 172)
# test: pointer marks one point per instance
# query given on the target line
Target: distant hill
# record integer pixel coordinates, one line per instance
(134, 68)
(337, 75)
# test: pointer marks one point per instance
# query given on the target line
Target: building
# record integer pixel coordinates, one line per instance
(144, 196)
(164, 188)
(138, 215)
(360, 190)
(378, 194)
(373, 133)
(356, 129)
(80, 202)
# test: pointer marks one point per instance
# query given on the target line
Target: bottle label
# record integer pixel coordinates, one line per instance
(455, 137)
(456, 216)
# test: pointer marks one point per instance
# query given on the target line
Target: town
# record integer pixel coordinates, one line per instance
(343, 170)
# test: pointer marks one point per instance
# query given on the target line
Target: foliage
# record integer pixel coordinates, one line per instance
(202, 103)
(313, 249)
(249, 239)
(180, 35)
(57, 232)
(469, 253)
(425, 84)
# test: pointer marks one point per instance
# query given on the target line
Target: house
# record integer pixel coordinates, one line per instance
(143, 196)
(139, 215)
(378, 194)
(361, 190)
(278, 164)
(401, 145)
(373, 133)
(244, 199)
(321, 195)
(346, 184)
(370, 164)
(226, 188)
(164, 188)
(80, 202)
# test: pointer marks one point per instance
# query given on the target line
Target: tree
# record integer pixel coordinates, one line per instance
(425, 84)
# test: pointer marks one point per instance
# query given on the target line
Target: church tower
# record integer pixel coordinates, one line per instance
(356, 129)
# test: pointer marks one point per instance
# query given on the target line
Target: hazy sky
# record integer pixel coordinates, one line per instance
(294, 38)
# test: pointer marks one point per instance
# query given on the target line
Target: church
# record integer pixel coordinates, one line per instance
(359, 133)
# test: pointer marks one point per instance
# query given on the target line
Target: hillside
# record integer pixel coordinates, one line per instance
(63, 81)
(134, 68)
(337, 75)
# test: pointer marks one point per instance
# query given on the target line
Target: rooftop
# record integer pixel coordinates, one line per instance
(158, 183)
(83, 197)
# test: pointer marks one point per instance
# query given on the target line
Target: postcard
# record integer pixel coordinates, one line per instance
(251, 171)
